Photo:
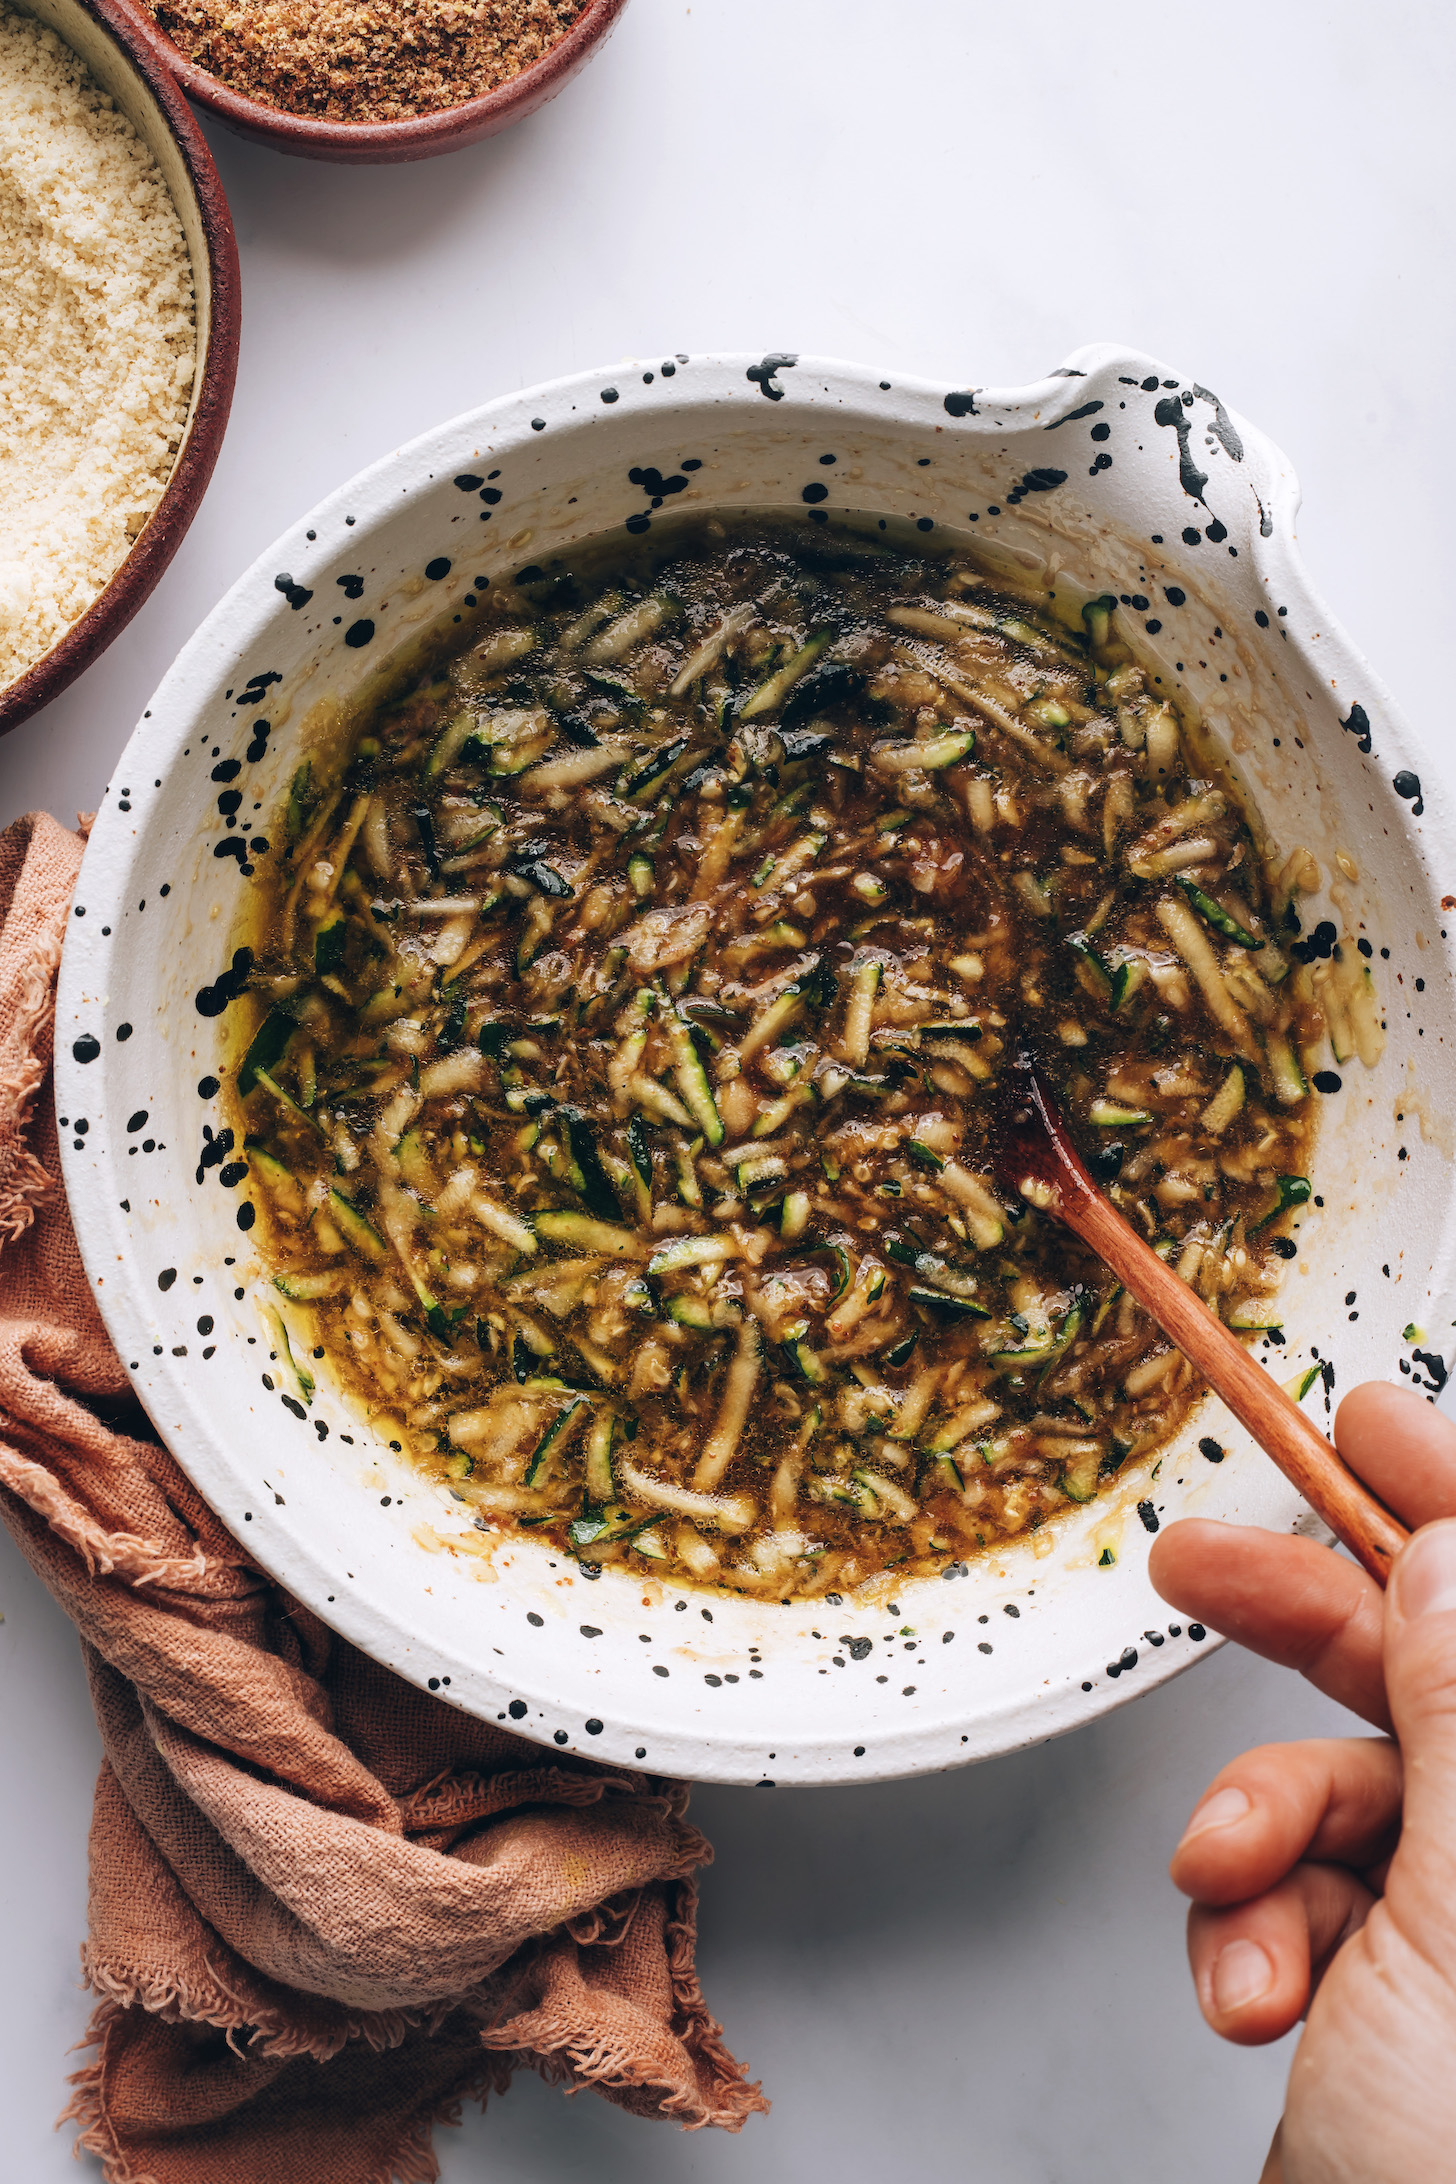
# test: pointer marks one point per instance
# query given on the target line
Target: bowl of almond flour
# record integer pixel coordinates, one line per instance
(373, 82)
(118, 334)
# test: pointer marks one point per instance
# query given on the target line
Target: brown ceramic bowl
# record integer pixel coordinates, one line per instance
(387, 143)
(104, 37)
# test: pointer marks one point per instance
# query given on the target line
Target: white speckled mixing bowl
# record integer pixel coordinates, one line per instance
(1129, 478)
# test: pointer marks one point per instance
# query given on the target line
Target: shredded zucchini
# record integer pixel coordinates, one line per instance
(615, 1082)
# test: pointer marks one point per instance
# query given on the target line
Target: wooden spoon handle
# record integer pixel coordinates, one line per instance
(1277, 1423)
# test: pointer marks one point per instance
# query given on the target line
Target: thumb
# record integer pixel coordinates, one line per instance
(1420, 1680)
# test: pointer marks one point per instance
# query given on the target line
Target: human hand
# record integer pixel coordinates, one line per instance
(1323, 1874)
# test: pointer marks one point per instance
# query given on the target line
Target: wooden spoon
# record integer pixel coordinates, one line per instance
(1037, 1161)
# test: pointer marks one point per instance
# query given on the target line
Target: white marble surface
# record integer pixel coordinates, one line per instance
(983, 1971)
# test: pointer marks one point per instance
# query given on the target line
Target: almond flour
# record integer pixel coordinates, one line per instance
(97, 339)
(364, 60)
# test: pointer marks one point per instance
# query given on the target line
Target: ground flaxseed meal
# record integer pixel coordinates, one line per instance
(365, 60)
(97, 339)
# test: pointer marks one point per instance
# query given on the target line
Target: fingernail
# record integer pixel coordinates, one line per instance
(1219, 1811)
(1426, 1574)
(1242, 1972)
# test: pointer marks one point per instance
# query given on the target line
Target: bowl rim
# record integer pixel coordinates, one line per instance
(421, 136)
(137, 575)
(375, 1616)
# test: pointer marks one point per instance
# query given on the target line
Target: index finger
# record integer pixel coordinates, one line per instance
(1402, 1448)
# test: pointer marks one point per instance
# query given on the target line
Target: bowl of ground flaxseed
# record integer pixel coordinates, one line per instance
(119, 304)
(372, 82)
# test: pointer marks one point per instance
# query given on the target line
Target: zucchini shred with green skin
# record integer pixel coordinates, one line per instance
(630, 995)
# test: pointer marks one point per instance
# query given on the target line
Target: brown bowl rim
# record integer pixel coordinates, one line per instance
(137, 576)
(422, 136)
